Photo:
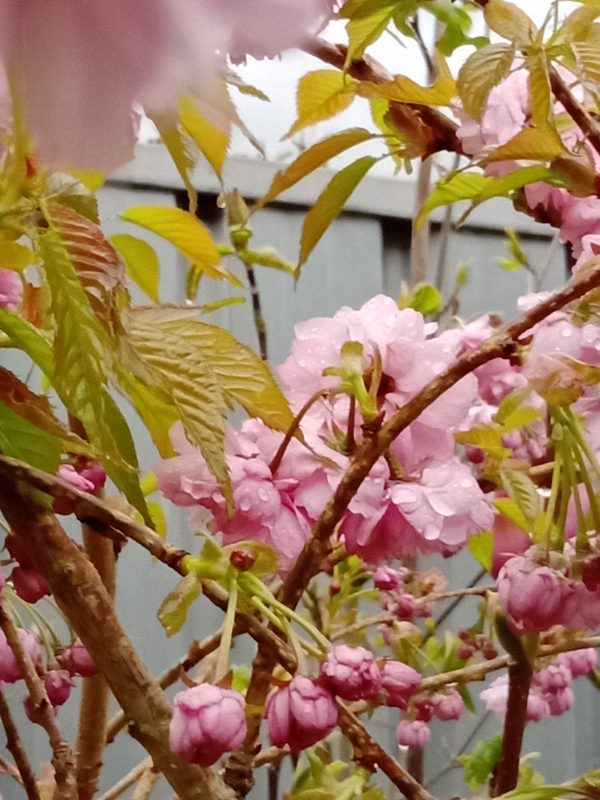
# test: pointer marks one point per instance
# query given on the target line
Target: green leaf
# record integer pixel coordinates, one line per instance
(481, 547)
(426, 299)
(20, 439)
(311, 159)
(212, 141)
(158, 517)
(367, 21)
(180, 153)
(511, 511)
(16, 256)
(480, 763)
(540, 93)
(483, 70)
(270, 258)
(266, 559)
(141, 262)
(330, 203)
(576, 26)
(175, 607)
(509, 21)
(186, 233)
(523, 491)
(179, 369)
(405, 90)
(457, 24)
(243, 377)
(321, 95)
(82, 354)
(476, 187)
(29, 339)
(487, 438)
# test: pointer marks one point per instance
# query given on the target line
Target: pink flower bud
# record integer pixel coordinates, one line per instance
(553, 678)
(69, 474)
(9, 669)
(447, 705)
(399, 682)
(386, 579)
(300, 714)
(531, 594)
(351, 672)
(207, 722)
(537, 706)
(11, 289)
(560, 701)
(578, 662)
(58, 685)
(29, 584)
(77, 660)
(412, 733)
(95, 474)
(17, 548)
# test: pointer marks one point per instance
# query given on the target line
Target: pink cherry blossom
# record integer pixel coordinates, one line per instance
(29, 584)
(386, 579)
(351, 672)
(447, 705)
(399, 682)
(77, 660)
(58, 685)
(11, 289)
(207, 722)
(532, 595)
(578, 662)
(10, 671)
(412, 733)
(300, 714)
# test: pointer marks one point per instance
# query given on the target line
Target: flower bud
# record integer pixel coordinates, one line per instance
(300, 714)
(29, 584)
(412, 733)
(95, 474)
(560, 701)
(77, 660)
(11, 289)
(58, 685)
(17, 548)
(531, 594)
(447, 705)
(399, 682)
(578, 662)
(10, 671)
(351, 672)
(207, 722)
(387, 579)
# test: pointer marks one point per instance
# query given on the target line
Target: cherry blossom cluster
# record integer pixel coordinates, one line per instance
(550, 693)
(507, 112)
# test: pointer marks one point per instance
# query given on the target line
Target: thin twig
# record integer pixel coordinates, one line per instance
(127, 781)
(146, 783)
(62, 758)
(588, 124)
(10, 769)
(15, 747)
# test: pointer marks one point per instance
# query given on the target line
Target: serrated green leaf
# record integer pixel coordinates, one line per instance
(330, 203)
(20, 439)
(540, 93)
(576, 26)
(212, 141)
(509, 21)
(480, 763)
(182, 158)
(180, 370)
(483, 70)
(511, 511)
(478, 188)
(141, 262)
(487, 438)
(523, 491)
(311, 159)
(426, 299)
(481, 547)
(368, 20)
(321, 95)
(186, 233)
(405, 90)
(243, 377)
(174, 609)
(82, 355)
(29, 339)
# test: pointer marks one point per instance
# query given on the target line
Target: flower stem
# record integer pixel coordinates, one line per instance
(222, 664)
(507, 771)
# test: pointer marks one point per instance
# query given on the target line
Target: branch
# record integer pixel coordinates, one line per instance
(507, 769)
(107, 521)
(434, 129)
(196, 652)
(370, 754)
(588, 124)
(93, 708)
(86, 604)
(15, 746)
(62, 758)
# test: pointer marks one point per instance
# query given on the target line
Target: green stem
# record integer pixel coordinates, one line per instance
(581, 538)
(227, 633)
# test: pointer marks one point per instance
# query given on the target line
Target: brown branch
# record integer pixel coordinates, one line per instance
(62, 758)
(107, 521)
(196, 652)
(93, 708)
(127, 781)
(10, 769)
(370, 754)
(86, 604)
(428, 125)
(588, 124)
(507, 769)
(15, 747)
